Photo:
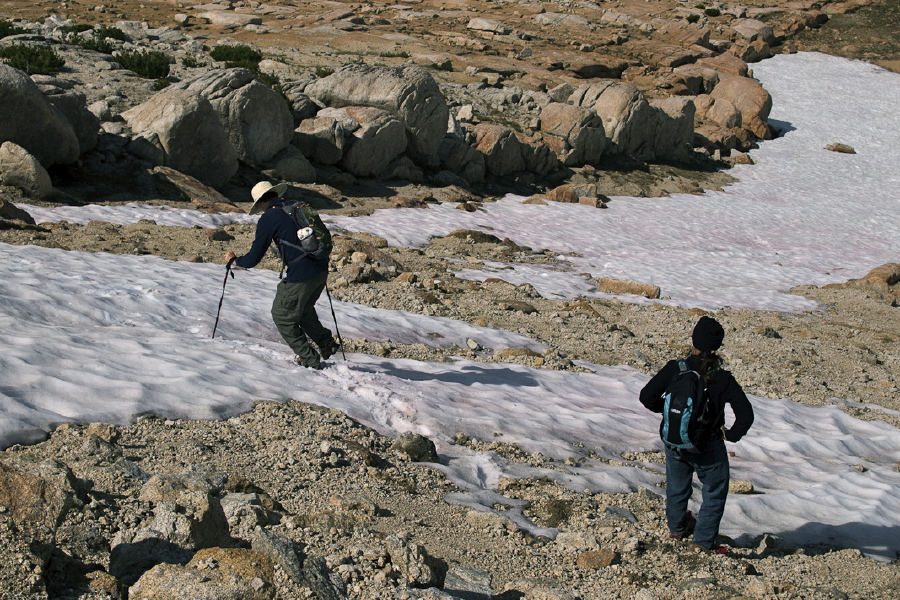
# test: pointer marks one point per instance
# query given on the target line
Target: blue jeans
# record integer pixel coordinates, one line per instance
(711, 467)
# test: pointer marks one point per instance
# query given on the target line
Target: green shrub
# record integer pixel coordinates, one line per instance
(270, 79)
(34, 60)
(79, 27)
(89, 43)
(398, 54)
(323, 71)
(105, 31)
(234, 53)
(7, 28)
(693, 18)
(97, 40)
(250, 65)
(190, 62)
(161, 83)
(149, 64)
(712, 12)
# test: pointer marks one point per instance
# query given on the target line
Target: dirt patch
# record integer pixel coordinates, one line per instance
(871, 33)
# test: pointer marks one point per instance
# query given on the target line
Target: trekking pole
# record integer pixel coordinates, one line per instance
(218, 312)
(340, 341)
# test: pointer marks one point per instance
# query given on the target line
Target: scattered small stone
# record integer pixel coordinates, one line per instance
(841, 148)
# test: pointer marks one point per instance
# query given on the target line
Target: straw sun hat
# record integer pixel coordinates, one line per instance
(261, 189)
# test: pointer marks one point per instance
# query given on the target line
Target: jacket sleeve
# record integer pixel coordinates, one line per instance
(652, 394)
(265, 232)
(742, 409)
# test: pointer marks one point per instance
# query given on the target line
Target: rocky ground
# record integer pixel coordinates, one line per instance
(318, 506)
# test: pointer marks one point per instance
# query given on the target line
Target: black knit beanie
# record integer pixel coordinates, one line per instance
(708, 335)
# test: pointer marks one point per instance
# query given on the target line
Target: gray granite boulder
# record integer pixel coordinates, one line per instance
(20, 169)
(180, 129)
(258, 120)
(408, 92)
(31, 121)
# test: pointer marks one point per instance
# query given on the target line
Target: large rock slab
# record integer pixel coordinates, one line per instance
(674, 132)
(507, 152)
(636, 127)
(751, 99)
(460, 158)
(11, 212)
(503, 152)
(408, 92)
(697, 78)
(753, 29)
(415, 566)
(186, 131)
(227, 18)
(215, 573)
(20, 169)
(31, 121)
(37, 493)
(376, 138)
(321, 139)
(880, 279)
(628, 119)
(727, 64)
(195, 191)
(290, 165)
(194, 520)
(258, 120)
(579, 128)
(721, 112)
(85, 124)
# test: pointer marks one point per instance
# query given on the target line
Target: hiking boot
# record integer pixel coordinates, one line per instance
(329, 349)
(721, 550)
(316, 365)
(687, 527)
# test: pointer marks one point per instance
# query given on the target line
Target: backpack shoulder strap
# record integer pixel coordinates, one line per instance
(295, 211)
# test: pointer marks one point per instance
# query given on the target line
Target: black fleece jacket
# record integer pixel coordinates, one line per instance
(276, 224)
(722, 390)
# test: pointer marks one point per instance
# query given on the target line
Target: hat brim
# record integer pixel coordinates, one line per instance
(277, 189)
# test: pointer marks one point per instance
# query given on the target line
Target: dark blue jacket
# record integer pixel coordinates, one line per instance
(275, 224)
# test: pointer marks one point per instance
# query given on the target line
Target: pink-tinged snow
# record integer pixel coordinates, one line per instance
(801, 215)
(96, 337)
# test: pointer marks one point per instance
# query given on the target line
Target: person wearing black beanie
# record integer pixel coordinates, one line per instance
(709, 459)
(708, 335)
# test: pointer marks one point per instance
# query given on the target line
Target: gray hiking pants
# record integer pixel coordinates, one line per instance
(294, 313)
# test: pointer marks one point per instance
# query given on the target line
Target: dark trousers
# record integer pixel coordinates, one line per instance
(711, 467)
(294, 313)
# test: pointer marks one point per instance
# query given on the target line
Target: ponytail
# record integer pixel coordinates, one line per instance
(710, 362)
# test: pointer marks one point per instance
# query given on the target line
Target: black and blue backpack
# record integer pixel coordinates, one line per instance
(686, 411)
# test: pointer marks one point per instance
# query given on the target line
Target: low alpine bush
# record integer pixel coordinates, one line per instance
(90, 43)
(79, 27)
(191, 62)
(150, 64)
(323, 72)
(7, 28)
(34, 60)
(105, 31)
(236, 55)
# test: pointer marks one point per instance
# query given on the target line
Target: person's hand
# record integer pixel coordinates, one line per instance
(229, 256)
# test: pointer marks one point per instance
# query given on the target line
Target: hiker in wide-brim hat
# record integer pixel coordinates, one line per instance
(264, 192)
(294, 307)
